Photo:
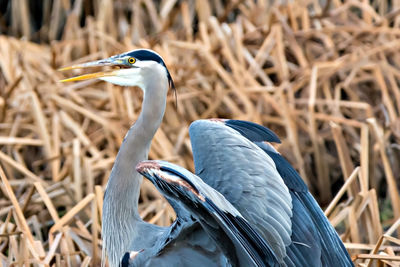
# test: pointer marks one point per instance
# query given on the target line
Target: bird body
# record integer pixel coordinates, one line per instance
(231, 159)
(233, 234)
(183, 244)
(247, 177)
(228, 167)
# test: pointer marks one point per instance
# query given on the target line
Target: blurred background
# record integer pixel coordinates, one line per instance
(324, 75)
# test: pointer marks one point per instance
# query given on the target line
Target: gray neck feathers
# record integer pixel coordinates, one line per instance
(120, 208)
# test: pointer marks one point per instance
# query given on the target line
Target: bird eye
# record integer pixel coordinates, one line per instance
(131, 60)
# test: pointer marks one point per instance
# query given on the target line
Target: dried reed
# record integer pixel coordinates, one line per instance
(324, 77)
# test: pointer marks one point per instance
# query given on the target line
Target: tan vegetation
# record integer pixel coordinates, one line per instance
(325, 78)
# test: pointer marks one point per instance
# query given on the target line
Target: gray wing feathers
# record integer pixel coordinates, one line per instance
(191, 248)
(247, 177)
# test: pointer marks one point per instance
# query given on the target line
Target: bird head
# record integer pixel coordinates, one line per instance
(134, 68)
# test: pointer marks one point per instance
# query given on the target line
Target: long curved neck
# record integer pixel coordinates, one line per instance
(135, 148)
(120, 208)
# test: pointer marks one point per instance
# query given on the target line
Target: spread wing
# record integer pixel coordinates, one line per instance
(222, 160)
(247, 177)
(232, 233)
(309, 224)
(332, 251)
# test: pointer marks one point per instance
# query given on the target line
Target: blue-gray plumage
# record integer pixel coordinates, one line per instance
(252, 131)
(247, 177)
(314, 242)
(307, 215)
(232, 233)
(332, 250)
(229, 156)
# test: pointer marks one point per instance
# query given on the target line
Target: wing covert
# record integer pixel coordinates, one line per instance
(223, 222)
(247, 177)
(309, 224)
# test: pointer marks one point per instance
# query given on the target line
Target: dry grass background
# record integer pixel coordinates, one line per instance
(325, 77)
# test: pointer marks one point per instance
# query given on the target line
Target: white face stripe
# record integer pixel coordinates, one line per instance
(126, 77)
(146, 63)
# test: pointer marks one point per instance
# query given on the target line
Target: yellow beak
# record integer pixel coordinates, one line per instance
(89, 76)
(98, 63)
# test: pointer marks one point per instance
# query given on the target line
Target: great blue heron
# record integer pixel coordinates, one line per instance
(231, 157)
